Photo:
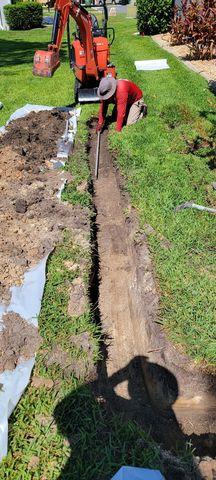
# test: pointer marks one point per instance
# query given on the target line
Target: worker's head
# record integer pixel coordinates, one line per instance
(107, 88)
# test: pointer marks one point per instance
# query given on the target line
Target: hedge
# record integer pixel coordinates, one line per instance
(154, 16)
(23, 16)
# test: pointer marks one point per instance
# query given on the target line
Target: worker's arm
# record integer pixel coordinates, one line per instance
(102, 115)
(121, 111)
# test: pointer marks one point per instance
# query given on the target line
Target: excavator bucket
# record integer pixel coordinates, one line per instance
(45, 63)
(88, 95)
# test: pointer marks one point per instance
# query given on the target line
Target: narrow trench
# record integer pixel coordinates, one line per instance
(126, 372)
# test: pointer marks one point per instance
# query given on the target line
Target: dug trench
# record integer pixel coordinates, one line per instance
(142, 375)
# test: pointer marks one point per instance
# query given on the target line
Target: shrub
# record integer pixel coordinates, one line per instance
(23, 16)
(154, 16)
(194, 23)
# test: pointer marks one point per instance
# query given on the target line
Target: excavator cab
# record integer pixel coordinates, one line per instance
(85, 87)
(89, 52)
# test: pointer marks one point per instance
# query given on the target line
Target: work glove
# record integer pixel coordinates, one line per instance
(99, 127)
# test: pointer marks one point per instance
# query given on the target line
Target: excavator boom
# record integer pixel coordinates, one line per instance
(89, 52)
(46, 62)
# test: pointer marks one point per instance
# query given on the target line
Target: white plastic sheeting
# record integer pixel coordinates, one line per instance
(134, 473)
(26, 299)
(151, 64)
(67, 139)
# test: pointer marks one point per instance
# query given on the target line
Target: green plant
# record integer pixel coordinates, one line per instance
(194, 23)
(24, 16)
(153, 16)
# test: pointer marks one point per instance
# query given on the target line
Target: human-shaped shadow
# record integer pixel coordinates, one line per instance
(86, 421)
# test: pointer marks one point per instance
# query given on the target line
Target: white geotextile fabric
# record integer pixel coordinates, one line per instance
(135, 473)
(26, 298)
(151, 64)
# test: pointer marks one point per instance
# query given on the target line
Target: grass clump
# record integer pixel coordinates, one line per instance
(176, 114)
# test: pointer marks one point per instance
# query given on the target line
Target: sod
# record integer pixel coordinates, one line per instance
(167, 159)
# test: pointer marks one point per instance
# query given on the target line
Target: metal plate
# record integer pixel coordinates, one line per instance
(88, 95)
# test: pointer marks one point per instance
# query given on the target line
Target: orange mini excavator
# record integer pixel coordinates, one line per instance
(89, 53)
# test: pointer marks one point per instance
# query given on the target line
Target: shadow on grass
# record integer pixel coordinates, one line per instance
(17, 52)
(106, 431)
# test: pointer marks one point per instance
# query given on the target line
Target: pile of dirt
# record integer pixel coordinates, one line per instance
(18, 341)
(35, 136)
(32, 217)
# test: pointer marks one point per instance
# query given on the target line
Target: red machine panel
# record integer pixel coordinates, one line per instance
(101, 47)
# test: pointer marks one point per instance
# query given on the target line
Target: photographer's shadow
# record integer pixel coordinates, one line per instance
(87, 419)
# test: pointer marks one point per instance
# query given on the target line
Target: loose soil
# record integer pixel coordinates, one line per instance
(206, 68)
(18, 341)
(32, 217)
(34, 137)
(142, 375)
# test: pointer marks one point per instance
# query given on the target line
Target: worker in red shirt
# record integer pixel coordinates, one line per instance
(127, 98)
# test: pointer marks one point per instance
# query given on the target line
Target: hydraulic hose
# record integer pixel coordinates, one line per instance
(55, 27)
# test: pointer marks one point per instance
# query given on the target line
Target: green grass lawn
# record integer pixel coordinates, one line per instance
(165, 162)
(160, 173)
(17, 84)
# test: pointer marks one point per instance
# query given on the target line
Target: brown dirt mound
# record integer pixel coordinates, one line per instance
(18, 341)
(35, 136)
(32, 217)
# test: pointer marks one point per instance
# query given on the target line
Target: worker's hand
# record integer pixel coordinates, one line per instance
(99, 127)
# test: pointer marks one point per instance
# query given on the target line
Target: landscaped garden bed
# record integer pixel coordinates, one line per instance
(206, 68)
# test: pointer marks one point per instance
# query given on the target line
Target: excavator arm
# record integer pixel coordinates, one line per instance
(46, 62)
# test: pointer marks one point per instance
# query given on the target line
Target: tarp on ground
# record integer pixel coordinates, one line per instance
(135, 473)
(26, 298)
(146, 65)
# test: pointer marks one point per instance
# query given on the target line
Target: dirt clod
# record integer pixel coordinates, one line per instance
(77, 301)
(82, 187)
(80, 367)
(18, 341)
(207, 469)
(33, 462)
(21, 205)
(39, 382)
(82, 341)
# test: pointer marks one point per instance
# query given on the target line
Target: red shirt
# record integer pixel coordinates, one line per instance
(126, 94)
